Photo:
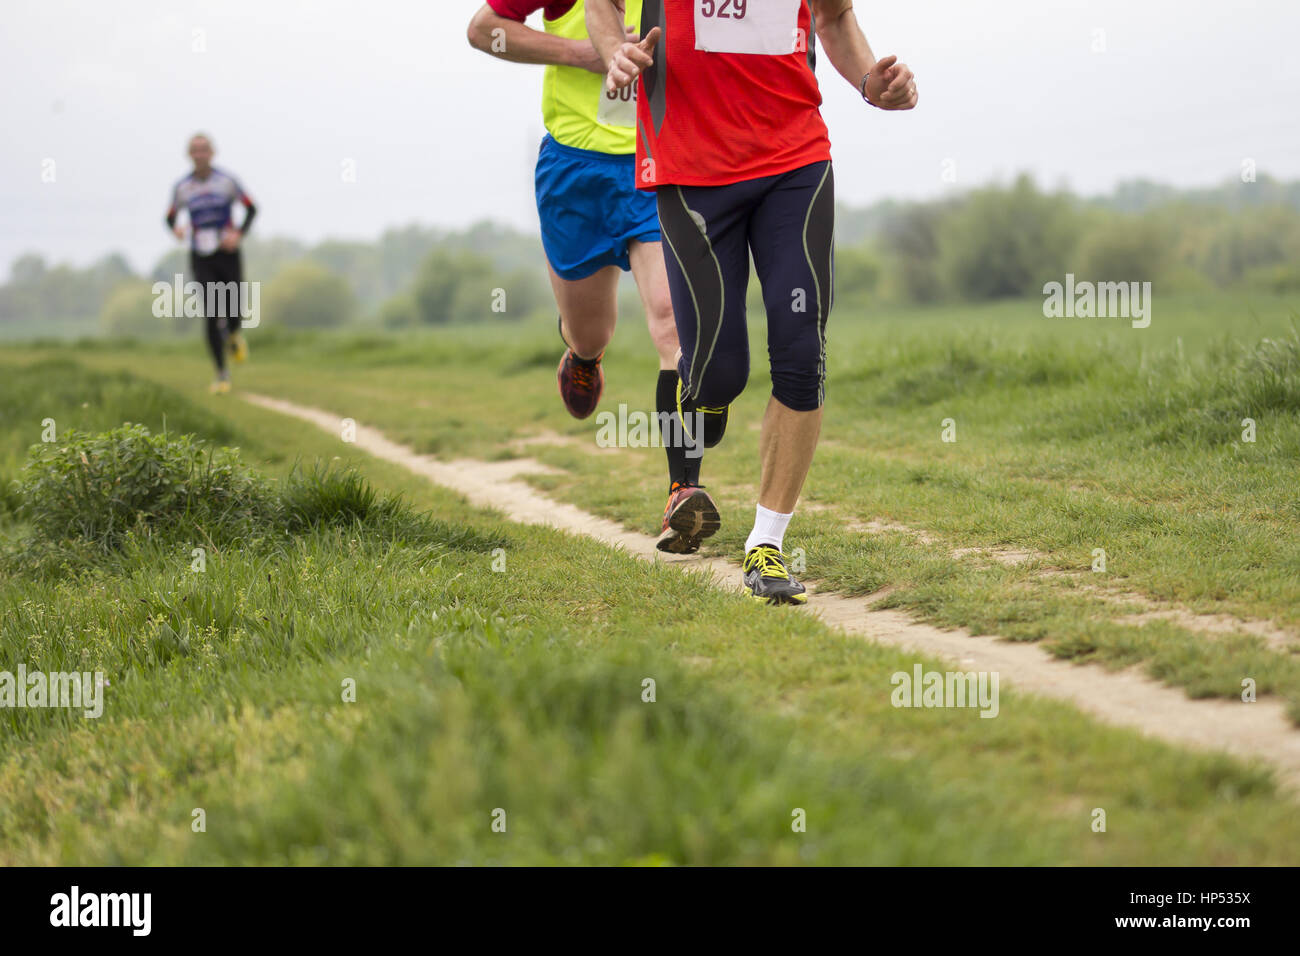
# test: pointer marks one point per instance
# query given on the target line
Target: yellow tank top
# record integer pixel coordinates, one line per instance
(576, 108)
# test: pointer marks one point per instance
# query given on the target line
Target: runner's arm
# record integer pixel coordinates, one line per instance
(891, 85)
(623, 57)
(513, 40)
(605, 27)
(250, 210)
(173, 210)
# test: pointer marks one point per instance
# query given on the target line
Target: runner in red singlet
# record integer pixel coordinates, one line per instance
(730, 136)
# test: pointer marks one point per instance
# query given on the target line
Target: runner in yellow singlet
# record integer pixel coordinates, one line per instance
(596, 224)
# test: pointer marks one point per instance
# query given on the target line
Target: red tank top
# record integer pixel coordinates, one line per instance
(732, 94)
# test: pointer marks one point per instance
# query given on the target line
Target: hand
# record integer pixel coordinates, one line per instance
(891, 85)
(230, 237)
(629, 60)
(589, 59)
(178, 231)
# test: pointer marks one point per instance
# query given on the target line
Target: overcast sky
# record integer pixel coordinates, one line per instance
(1182, 91)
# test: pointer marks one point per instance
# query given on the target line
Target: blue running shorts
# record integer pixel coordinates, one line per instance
(590, 209)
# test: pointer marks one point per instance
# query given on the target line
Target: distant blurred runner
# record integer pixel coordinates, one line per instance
(208, 194)
(595, 223)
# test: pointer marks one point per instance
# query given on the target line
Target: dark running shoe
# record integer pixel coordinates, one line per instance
(582, 381)
(767, 579)
(689, 517)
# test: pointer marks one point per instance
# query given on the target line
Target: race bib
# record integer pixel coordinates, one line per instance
(618, 107)
(207, 241)
(765, 27)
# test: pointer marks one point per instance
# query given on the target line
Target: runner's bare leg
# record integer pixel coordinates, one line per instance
(786, 450)
(652, 282)
(588, 310)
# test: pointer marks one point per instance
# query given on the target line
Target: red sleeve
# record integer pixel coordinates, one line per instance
(520, 9)
(515, 9)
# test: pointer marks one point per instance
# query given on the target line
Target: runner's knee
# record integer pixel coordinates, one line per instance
(663, 328)
(798, 373)
(723, 380)
(588, 339)
(802, 390)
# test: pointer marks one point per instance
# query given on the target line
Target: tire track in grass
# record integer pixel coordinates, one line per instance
(1127, 698)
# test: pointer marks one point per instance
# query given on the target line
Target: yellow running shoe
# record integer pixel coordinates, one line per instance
(238, 348)
(766, 578)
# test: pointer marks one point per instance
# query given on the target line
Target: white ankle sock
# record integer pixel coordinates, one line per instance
(769, 528)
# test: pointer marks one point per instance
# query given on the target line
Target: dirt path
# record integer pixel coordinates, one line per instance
(1260, 730)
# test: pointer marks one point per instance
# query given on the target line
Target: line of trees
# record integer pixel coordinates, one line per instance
(994, 242)
(1007, 241)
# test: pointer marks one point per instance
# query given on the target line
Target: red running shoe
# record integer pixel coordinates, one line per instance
(582, 381)
(689, 517)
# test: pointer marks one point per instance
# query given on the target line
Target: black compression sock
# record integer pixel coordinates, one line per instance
(679, 470)
(693, 467)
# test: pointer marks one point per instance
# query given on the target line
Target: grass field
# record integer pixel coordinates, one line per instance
(522, 691)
